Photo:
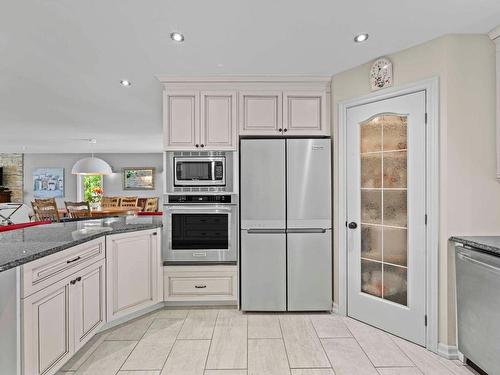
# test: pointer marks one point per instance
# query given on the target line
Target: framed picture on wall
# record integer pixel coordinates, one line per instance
(48, 182)
(138, 178)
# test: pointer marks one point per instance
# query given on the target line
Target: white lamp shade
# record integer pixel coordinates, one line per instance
(91, 166)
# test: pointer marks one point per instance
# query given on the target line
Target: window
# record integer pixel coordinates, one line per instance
(90, 188)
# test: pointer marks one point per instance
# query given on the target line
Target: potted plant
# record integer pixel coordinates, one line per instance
(97, 193)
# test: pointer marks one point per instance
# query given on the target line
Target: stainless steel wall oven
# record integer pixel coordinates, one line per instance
(200, 229)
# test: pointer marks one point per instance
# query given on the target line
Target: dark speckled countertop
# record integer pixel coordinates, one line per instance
(25, 245)
(485, 244)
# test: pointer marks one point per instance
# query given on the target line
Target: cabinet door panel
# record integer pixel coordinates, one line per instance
(133, 268)
(47, 337)
(181, 120)
(218, 120)
(88, 302)
(305, 113)
(261, 112)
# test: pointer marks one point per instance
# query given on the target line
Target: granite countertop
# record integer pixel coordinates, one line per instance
(485, 244)
(21, 246)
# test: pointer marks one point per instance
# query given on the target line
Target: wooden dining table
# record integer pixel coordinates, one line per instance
(108, 211)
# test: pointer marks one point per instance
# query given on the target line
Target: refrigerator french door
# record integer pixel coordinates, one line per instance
(286, 256)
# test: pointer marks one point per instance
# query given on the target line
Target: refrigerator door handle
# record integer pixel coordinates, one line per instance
(306, 230)
(265, 231)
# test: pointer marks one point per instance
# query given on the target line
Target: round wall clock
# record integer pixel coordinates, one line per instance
(381, 74)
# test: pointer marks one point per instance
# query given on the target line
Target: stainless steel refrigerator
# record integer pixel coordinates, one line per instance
(286, 230)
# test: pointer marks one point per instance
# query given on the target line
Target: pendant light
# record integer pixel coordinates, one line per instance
(92, 165)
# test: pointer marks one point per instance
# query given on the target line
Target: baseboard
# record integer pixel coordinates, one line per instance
(131, 316)
(335, 307)
(208, 304)
(448, 351)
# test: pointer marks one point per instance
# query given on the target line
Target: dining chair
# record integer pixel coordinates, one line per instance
(128, 201)
(77, 210)
(110, 202)
(151, 205)
(45, 209)
(141, 203)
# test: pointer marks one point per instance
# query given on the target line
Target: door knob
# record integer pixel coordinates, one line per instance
(196, 145)
(285, 130)
(202, 145)
(280, 130)
(352, 225)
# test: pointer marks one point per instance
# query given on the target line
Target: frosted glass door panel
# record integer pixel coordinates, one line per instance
(384, 207)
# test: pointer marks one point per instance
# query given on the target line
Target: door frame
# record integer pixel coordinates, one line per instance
(431, 88)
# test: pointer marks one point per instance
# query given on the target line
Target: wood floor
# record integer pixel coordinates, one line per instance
(227, 342)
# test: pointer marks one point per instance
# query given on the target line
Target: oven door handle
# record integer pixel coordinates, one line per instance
(204, 208)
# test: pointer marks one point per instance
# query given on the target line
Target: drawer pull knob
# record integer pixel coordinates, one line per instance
(73, 260)
(200, 286)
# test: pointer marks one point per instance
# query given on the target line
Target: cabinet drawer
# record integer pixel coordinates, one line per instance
(202, 284)
(182, 286)
(43, 272)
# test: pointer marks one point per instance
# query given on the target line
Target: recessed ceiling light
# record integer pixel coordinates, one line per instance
(125, 82)
(361, 38)
(177, 37)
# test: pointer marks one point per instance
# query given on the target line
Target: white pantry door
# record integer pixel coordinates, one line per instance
(386, 157)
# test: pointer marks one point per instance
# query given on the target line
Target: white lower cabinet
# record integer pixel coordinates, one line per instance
(201, 283)
(88, 301)
(68, 296)
(134, 272)
(59, 319)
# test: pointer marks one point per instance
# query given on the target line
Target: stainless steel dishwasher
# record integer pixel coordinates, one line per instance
(478, 307)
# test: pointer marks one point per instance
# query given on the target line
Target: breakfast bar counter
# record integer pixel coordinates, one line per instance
(25, 245)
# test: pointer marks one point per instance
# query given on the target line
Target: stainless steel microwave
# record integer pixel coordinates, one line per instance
(200, 171)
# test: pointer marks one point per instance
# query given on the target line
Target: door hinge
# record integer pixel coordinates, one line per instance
(426, 119)
(425, 320)
(425, 219)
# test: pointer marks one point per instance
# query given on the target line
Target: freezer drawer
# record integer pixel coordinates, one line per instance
(478, 304)
(263, 271)
(310, 271)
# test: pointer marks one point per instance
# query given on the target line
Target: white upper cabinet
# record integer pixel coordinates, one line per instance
(218, 120)
(305, 113)
(181, 119)
(197, 120)
(209, 113)
(261, 112)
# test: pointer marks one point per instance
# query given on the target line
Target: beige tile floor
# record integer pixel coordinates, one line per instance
(228, 342)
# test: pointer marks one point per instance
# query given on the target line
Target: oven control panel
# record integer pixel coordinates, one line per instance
(225, 198)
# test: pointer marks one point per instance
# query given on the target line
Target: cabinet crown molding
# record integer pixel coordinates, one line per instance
(290, 78)
(495, 34)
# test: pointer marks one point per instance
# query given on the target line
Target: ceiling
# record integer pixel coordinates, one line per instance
(61, 61)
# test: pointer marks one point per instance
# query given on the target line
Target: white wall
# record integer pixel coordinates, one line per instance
(113, 184)
(469, 193)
